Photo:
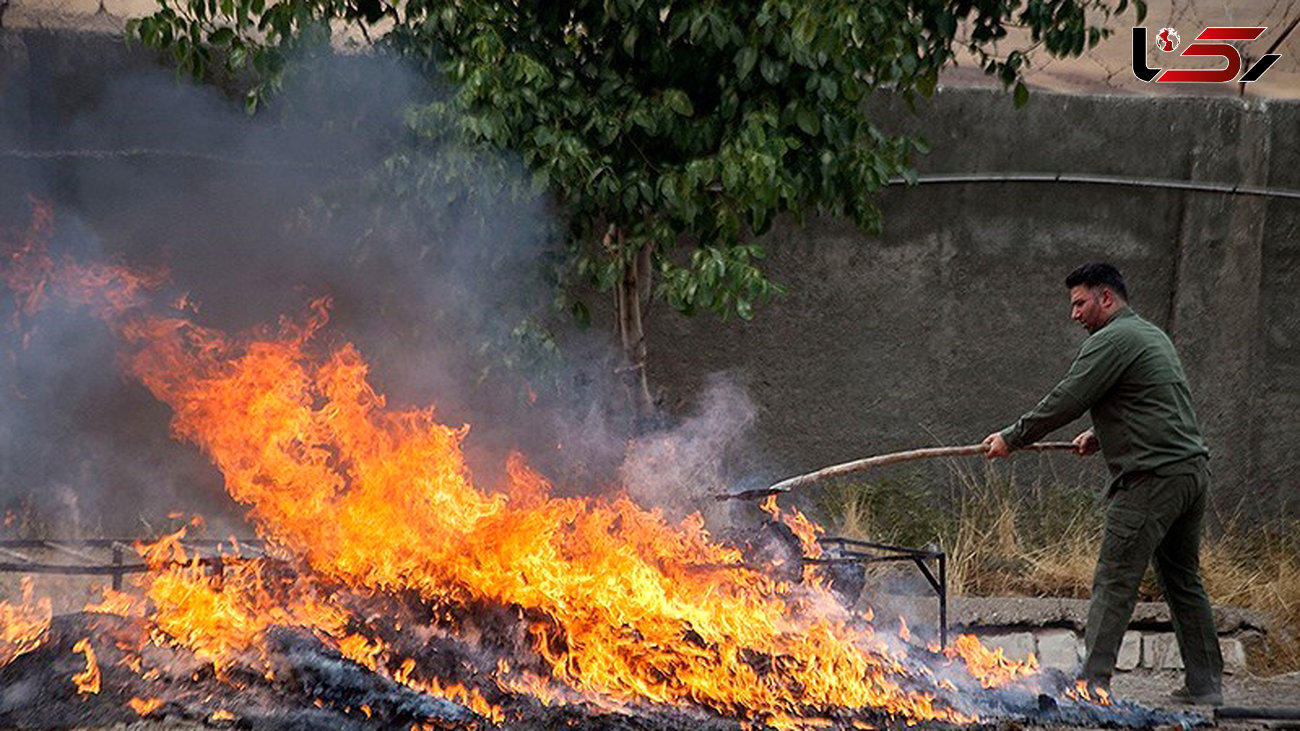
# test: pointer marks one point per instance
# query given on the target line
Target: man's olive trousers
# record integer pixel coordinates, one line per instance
(1151, 516)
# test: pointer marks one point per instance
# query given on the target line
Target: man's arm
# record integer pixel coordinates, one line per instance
(1100, 363)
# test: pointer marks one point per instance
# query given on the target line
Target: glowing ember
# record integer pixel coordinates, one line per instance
(145, 706)
(87, 681)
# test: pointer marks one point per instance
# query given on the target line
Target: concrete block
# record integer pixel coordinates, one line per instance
(1130, 652)
(1059, 648)
(1014, 646)
(1234, 655)
(1160, 652)
(1149, 651)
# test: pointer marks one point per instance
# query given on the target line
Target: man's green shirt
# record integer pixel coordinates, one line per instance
(1128, 376)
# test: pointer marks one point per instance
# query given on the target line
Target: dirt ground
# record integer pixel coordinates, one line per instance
(1152, 688)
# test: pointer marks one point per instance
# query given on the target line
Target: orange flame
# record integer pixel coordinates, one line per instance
(23, 626)
(117, 602)
(87, 681)
(145, 706)
(991, 667)
(624, 605)
(805, 530)
(1096, 694)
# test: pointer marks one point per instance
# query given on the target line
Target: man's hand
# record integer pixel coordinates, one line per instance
(995, 446)
(1087, 443)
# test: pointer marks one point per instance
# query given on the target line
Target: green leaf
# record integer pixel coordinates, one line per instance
(808, 121)
(773, 71)
(745, 61)
(1021, 95)
(677, 101)
(581, 315)
(926, 84)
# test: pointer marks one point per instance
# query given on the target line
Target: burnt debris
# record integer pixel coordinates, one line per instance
(309, 686)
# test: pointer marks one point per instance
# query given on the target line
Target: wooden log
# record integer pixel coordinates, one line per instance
(859, 465)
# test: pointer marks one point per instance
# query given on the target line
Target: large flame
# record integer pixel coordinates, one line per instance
(24, 624)
(363, 499)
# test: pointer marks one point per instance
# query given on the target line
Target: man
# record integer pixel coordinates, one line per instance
(1128, 377)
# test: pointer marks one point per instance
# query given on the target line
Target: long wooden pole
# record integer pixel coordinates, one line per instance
(858, 465)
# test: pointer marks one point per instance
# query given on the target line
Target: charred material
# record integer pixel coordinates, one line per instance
(773, 549)
(1053, 701)
(312, 687)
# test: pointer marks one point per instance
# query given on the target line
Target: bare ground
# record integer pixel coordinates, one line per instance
(1152, 688)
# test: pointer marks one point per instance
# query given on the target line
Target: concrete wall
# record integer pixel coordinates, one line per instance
(955, 320)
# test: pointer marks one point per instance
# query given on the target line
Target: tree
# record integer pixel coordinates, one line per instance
(671, 133)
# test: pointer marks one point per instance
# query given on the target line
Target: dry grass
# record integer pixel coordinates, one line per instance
(1042, 539)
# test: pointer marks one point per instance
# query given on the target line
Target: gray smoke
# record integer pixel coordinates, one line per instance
(445, 285)
(434, 280)
(681, 468)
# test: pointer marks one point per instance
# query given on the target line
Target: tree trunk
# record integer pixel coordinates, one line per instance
(630, 298)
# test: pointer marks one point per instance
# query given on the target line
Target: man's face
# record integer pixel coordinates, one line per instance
(1089, 306)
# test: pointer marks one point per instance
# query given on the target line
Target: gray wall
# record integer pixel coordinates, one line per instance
(955, 320)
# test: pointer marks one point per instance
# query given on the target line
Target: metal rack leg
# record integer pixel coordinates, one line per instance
(117, 575)
(943, 599)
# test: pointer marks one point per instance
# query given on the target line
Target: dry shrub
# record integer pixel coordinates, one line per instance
(1259, 568)
(1042, 539)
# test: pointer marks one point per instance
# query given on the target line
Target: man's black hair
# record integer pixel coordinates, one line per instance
(1098, 274)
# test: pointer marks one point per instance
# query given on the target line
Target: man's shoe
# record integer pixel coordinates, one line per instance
(1188, 698)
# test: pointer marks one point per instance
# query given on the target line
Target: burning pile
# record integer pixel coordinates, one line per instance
(402, 592)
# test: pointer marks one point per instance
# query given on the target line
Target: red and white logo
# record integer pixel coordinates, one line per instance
(1167, 40)
(1209, 42)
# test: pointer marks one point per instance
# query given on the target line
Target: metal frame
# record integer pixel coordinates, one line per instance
(118, 548)
(853, 550)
